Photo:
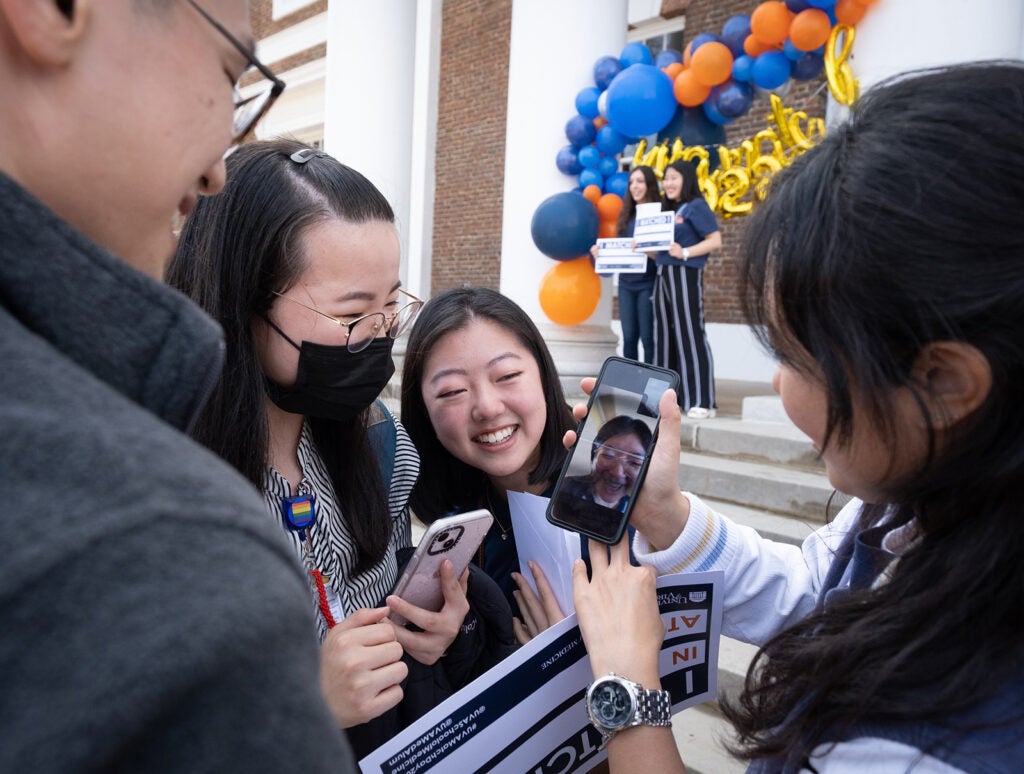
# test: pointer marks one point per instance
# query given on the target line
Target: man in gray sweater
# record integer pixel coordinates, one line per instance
(150, 618)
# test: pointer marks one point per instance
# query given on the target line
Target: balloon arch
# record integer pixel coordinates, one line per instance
(686, 99)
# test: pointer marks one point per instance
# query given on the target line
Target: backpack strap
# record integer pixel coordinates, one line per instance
(383, 435)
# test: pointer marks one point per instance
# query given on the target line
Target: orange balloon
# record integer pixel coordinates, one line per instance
(712, 63)
(593, 193)
(688, 90)
(608, 229)
(754, 47)
(570, 291)
(810, 29)
(672, 70)
(609, 206)
(600, 121)
(868, 3)
(770, 21)
(687, 54)
(850, 12)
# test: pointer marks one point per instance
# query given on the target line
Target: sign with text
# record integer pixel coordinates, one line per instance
(654, 230)
(527, 713)
(617, 255)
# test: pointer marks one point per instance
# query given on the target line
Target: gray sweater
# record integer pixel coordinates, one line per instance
(151, 618)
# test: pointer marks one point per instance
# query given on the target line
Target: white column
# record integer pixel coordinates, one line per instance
(895, 37)
(553, 49)
(369, 88)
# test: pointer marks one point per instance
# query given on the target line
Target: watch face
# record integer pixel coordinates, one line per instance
(611, 704)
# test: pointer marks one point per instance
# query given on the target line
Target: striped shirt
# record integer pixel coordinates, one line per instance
(330, 547)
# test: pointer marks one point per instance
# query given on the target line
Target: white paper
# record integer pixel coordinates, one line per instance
(527, 713)
(653, 230)
(552, 548)
(618, 256)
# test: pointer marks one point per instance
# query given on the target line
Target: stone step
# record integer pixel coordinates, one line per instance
(783, 490)
(775, 442)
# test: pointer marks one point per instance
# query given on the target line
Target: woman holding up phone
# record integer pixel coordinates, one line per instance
(298, 260)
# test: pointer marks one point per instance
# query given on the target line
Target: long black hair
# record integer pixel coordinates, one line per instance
(628, 211)
(902, 228)
(690, 188)
(236, 249)
(446, 483)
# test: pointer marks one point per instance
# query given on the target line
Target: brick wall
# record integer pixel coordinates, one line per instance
(263, 25)
(470, 158)
(720, 277)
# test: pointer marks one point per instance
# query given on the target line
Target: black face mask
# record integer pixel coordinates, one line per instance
(333, 383)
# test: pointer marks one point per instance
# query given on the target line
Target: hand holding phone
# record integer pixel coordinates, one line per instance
(597, 487)
(451, 537)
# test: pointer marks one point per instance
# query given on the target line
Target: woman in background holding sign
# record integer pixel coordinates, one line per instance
(680, 343)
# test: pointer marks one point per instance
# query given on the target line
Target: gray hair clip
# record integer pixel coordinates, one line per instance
(304, 155)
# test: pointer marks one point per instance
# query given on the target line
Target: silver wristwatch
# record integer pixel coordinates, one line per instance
(614, 703)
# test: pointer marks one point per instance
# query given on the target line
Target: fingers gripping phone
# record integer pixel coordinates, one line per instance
(451, 537)
(597, 487)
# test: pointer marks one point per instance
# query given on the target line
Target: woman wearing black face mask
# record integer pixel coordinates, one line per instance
(298, 259)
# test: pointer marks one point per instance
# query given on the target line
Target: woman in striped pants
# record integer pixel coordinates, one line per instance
(680, 343)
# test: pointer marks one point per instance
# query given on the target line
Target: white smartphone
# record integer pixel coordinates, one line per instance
(452, 537)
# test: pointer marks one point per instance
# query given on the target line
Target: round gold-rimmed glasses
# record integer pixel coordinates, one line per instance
(361, 331)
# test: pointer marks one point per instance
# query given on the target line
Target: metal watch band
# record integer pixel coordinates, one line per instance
(655, 707)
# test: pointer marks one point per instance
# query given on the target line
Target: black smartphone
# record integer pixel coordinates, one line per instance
(597, 487)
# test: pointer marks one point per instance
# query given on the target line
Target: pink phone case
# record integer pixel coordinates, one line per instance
(454, 537)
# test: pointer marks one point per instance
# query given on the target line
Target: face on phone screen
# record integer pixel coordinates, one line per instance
(604, 471)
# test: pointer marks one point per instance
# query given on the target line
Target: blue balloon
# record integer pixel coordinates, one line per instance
(743, 68)
(608, 166)
(640, 101)
(712, 112)
(771, 69)
(808, 67)
(692, 126)
(586, 102)
(792, 52)
(796, 6)
(734, 32)
(617, 183)
(564, 226)
(605, 70)
(732, 98)
(609, 142)
(822, 3)
(589, 156)
(667, 57)
(635, 53)
(590, 177)
(580, 130)
(567, 161)
(700, 40)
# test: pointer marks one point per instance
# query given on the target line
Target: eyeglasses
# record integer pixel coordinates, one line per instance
(629, 461)
(248, 110)
(362, 331)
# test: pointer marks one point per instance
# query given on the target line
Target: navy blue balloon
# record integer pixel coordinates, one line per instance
(617, 183)
(590, 177)
(565, 225)
(640, 101)
(635, 53)
(567, 161)
(796, 6)
(700, 40)
(713, 113)
(693, 127)
(605, 70)
(610, 142)
(589, 156)
(792, 52)
(734, 32)
(586, 102)
(580, 130)
(808, 67)
(733, 98)
(771, 69)
(667, 57)
(608, 166)
(823, 4)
